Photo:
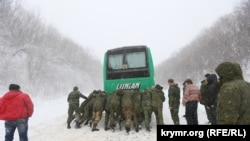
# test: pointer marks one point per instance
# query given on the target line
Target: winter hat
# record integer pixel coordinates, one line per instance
(229, 71)
(75, 88)
(157, 86)
(189, 81)
(206, 75)
(14, 87)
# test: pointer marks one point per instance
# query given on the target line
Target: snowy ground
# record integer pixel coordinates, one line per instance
(48, 123)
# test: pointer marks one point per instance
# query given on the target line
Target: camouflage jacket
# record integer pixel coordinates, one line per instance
(74, 96)
(158, 97)
(146, 98)
(137, 99)
(99, 101)
(234, 95)
(174, 95)
(127, 99)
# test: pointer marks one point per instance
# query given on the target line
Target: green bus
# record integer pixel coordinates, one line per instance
(129, 67)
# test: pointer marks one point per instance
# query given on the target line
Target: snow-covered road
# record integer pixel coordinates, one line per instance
(48, 123)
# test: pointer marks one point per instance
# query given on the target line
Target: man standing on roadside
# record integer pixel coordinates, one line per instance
(233, 98)
(158, 98)
(174, 100)
(73, 100)
(15, 108)
(191, 98)
(204, 97)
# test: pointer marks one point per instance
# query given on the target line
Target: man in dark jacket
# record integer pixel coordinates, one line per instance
(234, 95)
(204, 97)
(174, 100)
(212, 93)
(73, 100)
(15, 108)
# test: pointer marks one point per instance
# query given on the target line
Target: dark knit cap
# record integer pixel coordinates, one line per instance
(14, 87)
(189, 81)
(206, 75)
(75, 88)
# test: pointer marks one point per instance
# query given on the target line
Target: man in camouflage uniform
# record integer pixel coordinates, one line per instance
(234, 95)
(115, 108)
(83, 107)
(137, 112)
(107, 113)
(157, 103)
(127, 108)
(98, 108)
(73, 100)
(88, 107)
(147, 107)
(174, 101)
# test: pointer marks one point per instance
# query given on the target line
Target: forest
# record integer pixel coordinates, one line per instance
(39, 58)
(47, 63)
(228, 39)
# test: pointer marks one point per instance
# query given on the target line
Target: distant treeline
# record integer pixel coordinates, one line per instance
(227, 40)
(41, 59)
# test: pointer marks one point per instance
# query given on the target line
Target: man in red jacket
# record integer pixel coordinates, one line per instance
(15, 108)
(190, 100)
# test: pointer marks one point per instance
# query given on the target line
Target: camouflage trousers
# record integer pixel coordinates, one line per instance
(128, 113)
(73, 108)
(107, 119)
(86, 116)
(158, 114)
(96, 116)
(174, 111)
(147, 112)
(115, 115)
(137, 117)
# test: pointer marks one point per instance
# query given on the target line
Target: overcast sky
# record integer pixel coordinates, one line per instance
(163, 25)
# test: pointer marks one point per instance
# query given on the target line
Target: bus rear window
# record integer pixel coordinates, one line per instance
(129, 60)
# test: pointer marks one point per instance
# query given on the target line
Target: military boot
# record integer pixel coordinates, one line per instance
(94, 127)
(148, 129)
(90, 123)
(127, 129)
(87, 122)
(68, 125)
(112, 128)
(137, 128)
(106, 128)
(77, 125)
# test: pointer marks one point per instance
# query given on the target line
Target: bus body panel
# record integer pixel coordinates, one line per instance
(120, 78)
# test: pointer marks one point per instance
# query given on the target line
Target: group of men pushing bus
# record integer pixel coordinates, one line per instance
(131, 106)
